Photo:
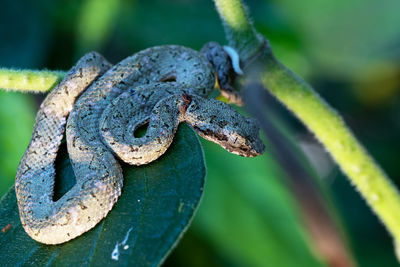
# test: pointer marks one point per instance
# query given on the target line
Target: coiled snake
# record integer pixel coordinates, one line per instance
(160, 86)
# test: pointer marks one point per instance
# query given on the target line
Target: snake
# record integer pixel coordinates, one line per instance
(100, 107)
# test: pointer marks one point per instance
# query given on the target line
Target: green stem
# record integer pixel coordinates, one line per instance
(327, 125)
(238, 28)
(332, 132)
(28, 80)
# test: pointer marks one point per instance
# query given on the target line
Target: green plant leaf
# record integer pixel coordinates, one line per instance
(157, 203)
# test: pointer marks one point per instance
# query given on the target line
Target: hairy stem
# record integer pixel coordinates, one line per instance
(238, 28)
(29, 80)
(332, 132)
(327, 125)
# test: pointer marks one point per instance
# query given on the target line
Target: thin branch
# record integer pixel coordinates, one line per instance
(29, 80)
(327, 125)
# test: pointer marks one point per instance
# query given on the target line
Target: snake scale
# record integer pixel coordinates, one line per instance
(158, 87)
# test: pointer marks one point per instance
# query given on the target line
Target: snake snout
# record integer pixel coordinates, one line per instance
(243, 144)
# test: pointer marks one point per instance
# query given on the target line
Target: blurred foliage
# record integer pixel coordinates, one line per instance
(17, 113)
(348, 49)
(246, 202)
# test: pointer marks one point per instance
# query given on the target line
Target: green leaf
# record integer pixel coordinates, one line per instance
(157, 203)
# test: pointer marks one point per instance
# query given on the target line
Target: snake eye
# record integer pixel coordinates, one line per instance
(199, 77)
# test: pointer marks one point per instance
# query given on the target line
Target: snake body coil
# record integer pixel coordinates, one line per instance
(161, 87)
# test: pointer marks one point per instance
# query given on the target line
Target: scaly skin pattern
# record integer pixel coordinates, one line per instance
(160, 87)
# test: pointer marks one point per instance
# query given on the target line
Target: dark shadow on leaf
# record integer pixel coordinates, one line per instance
(65, 177)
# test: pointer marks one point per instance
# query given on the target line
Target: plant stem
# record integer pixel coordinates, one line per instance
(317, 115)
(332, 132)
(28, 80)
(238, 28)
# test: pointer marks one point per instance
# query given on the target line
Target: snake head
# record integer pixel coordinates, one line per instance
(243, 138)
(238, 138)
(221, 124)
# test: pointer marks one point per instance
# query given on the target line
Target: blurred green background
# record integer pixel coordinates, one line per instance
(349, 50)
